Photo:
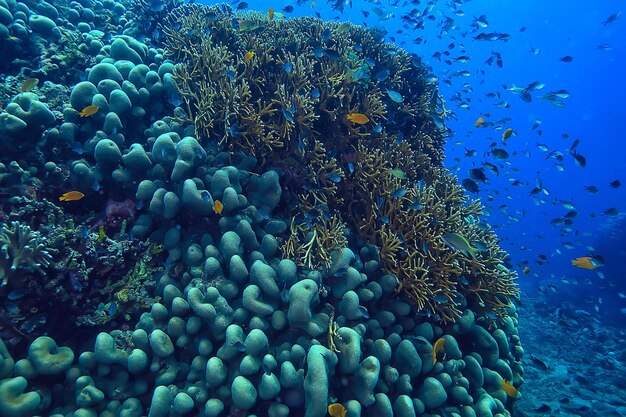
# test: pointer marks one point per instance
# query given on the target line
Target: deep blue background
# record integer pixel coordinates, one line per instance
(594, 113)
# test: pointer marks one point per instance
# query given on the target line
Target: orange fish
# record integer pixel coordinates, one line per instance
(358, 118)
(479, 122)
(89, 111)
(28, 85)
(510, 390)
(248, 56)
(438, 347)
(270, 13)
(71, 196)
(585, 263)
(337, 410)
(218, 207)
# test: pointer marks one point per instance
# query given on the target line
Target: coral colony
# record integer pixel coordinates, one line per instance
(219, 213)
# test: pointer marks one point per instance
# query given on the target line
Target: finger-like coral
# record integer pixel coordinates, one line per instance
(22, 250)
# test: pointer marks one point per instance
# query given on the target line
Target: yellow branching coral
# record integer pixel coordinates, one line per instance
(356, 131)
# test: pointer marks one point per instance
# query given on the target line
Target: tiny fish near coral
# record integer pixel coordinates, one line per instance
(458, 242)
(28, 85)
(71, 196)
(585, 263)
(337, 410)
(438, 347)
(248, 56)
(218, 207)
(510, 390)
(358, 118)
(89, 111)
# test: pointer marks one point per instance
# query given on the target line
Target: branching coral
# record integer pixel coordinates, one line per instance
(283, 92)
(22, 250)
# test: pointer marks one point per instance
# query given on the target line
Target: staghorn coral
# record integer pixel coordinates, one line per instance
(274, 89)
(22, 250)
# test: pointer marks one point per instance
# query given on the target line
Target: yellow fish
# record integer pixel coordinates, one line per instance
(28, 85)
(510, 390)
(337, 410)
(358, 118)
(507, 133)
(438, 347)
(270, 13)
(218, 207)
(479, 122)
(71, 196)
(584, 263)
(248, 56)
(89, 111)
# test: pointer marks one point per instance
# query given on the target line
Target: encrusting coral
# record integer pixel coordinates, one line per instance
(281, 91)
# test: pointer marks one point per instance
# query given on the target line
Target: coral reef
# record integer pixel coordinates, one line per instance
(257, 229)
(342, 172)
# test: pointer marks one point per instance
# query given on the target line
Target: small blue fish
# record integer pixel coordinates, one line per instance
(231, 74)
(284, 294)
(200, 153)
(288, 114)
(340, 272)
(441, 299)
(378, 128)
(206, 197)
(395, 96)
(358, 47)
(379, 203)
(364, 313)
(300, 145)
(264, 213)
(288, 67)
(234, 130)
(111, 308)
(16, 294)
(77, 148)
(370, 62)
(350, 167)
(382, 75)
(464, 281)
(326, 35)
(384, 219)
(156, 6)
(416, 205)
(239, 346)
(491, 315)
(400, 138)
(318, 52)
(11, 308)
(315, 93)
(399, 193)
(334, 177)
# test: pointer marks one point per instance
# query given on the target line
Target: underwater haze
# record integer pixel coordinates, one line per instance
(310, 208)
